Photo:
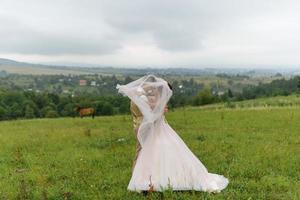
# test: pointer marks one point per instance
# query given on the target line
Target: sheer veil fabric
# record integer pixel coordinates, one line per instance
(165, 162)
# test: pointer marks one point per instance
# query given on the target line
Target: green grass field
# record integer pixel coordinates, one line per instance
(257, 149)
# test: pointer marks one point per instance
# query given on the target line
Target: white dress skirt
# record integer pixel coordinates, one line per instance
(165, 162)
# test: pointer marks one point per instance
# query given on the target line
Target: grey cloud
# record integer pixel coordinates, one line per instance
(19, 38)
(177, 25)
(174, 25)
(170, 23)
(197, 29)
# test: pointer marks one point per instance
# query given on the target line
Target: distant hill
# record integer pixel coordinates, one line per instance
(4, 61)
(12, 66)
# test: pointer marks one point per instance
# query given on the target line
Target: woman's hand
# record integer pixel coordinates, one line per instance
(166, 109)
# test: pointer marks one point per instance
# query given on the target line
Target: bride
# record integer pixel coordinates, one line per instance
(164, 161)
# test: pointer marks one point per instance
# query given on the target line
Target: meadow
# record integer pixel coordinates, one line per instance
(258, 149)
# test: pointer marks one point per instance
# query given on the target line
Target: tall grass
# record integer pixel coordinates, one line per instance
(257, 149)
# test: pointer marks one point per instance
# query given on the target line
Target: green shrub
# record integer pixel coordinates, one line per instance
(51, 114)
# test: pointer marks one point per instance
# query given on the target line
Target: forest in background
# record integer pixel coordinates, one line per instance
(49, 96)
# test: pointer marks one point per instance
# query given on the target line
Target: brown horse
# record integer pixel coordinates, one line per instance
(86, 112)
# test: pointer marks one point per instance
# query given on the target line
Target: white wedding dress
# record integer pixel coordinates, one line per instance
(165, 162)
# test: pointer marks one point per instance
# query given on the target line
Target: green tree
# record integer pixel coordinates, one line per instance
(124, 108)
(107, 109)
(69, 110)
(29, 112)
(204, 97)
(230, 95)
(98, 105)
(51, 114)
(46, 109)
(41, 100)
(15, 111)
(2, 113)
(298, 84)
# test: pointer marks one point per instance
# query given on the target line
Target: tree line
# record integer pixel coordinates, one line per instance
(18, 104)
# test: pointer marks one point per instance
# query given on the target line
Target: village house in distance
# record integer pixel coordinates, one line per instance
(82, 82)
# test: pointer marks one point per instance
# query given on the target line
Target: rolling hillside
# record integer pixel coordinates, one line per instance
(15, 67)
(72, 158)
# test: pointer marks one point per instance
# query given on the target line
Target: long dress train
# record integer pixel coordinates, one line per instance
(164, 162)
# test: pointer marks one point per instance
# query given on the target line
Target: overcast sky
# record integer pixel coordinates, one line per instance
(171, 33)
